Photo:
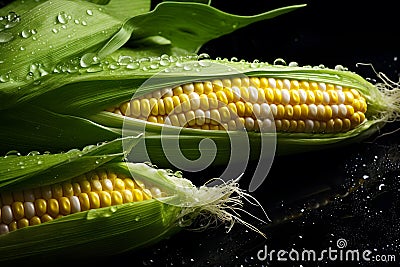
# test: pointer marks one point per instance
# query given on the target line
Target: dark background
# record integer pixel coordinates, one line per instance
(313, 199)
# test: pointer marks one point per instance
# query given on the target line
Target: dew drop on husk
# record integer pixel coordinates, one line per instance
(4, 78)
(6, 37)
(124, 60)
(62, 18)
(12, 153)
(133, 66)
(279, 61)
(9, 21)
(88, 59)
(33, 153)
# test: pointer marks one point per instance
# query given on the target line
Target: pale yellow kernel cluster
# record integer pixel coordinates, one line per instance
(254, 104)
(96, 189)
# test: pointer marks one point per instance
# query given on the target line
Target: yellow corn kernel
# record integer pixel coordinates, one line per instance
(116, 198)
(127, 196)
(105, 199)
(94, 200)
(18, 210)
(46, 218)
(65, 206)
(198, 88)
(34, 220)
(67, 189)
(84, 201)
(40, 206)
(185, 102)
(135, 108)
(177, 91)
(53, 208)
(137, 195)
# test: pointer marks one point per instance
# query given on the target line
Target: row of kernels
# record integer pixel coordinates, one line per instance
(21, 214)
(285, 125)
(258, 82)
(184, 103)
(311, 126)
(257, 111)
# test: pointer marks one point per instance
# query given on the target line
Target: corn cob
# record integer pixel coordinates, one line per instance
(250, 103)
(93, 190)
(305, 108)
(73, 202)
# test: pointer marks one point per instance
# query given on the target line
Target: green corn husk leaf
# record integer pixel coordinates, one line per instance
(110, 230)
(17, 171)
(30, 66)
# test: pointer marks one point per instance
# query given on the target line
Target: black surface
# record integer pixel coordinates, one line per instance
(306, 196)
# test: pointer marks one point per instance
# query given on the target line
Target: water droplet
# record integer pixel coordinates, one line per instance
(54, 30)
(89, 12)
(83, 23)
(33, 153)
(340, 68)
(124, 60)
(12, 153)
(164, 62)
(279, 61)
(4, 78)
(88, 60)
(255, 63)
(76, 21)
(43, 72)
(88, 148)
(154, 66)
(187, 67)
(39, 162)
(62, 18)
(113, 66)
(137, 218)
(29, 76)
(93, 69)
(26, 33)
(10, 20)
(293, 64)
(113, 208)
(133, 66)
(203, 56)
(6, 37)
